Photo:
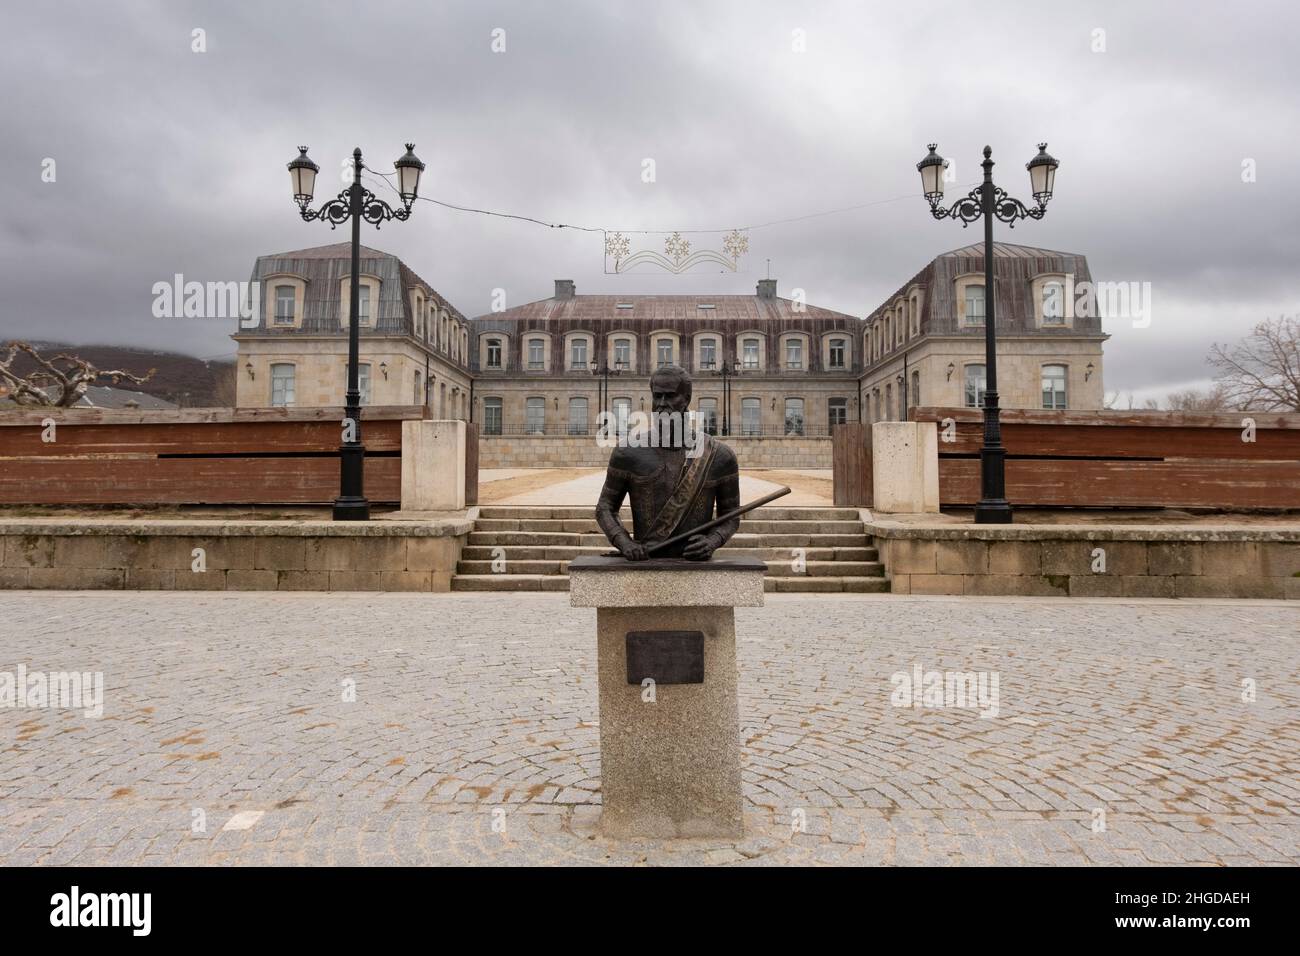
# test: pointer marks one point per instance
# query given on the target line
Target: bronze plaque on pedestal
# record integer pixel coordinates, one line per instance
(666, 657)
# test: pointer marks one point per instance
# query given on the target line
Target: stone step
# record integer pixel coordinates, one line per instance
(768, 513)
(741, 540)
(561, 552)
(558, 582)
(588, 526)
(823, 585)
(817, 569)
(509, 582)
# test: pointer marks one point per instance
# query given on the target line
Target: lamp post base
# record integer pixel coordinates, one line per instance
(351, 509)
(993, 511)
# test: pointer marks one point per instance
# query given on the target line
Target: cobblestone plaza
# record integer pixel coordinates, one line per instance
(352, 728)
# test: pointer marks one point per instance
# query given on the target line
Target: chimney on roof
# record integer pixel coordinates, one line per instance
(564, 289)
(767, 288)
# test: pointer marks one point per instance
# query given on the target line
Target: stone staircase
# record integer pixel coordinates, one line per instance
(532, 547)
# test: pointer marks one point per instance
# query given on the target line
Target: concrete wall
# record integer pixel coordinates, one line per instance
(1199, 562)
(558, 451)
(238, 555)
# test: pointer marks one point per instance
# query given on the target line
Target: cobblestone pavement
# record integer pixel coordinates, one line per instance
(225, 736)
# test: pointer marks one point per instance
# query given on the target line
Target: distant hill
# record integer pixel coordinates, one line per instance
(180, 379)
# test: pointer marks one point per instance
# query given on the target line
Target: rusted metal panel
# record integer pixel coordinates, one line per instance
(1189, 483)
(851, 465)
(471, 464)
(153, 481)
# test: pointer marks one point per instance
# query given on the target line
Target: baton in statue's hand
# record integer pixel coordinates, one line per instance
(743, 509)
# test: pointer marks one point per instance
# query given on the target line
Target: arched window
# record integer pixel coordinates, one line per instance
(976, 385)
(1054, 396)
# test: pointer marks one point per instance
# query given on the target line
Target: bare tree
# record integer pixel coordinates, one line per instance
(54, 385)
(1197, 400)
(1262, 371)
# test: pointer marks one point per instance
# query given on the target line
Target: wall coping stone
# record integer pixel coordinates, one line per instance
(949, 531)
(219, 528)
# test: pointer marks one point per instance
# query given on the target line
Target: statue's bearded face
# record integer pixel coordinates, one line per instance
(670, 394)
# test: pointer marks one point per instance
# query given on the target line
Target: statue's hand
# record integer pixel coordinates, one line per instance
(699, 547)
(632, 550)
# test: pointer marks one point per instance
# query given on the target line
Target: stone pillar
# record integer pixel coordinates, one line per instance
(666, 671)
(905, 468)
(433, 465)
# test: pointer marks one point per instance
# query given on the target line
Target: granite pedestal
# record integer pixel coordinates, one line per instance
(666, 668)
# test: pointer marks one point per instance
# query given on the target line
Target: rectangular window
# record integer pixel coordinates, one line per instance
(974, 305)
(536, 354)
(837, 411)
(363, 382)
(363, 305)
(491, 416)
(622, 410)
(494, 353)
(664, 348)
(282, 384)
(750, 354)
(709, 415)
(749, 416)
(794, 416)
(837, 353)
(1054, 386)
(284, 305)
(976, 384)
(794, 353)
(577, 416)
(578, 353)
(535, 416)
(622, 353)
(708, 353)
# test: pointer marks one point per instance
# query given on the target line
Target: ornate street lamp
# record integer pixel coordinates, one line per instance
(728, 371)
(988, 202)
(355, 203)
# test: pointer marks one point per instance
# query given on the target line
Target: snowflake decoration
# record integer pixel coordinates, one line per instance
(617, 246)
(677, 247)
(736, 243)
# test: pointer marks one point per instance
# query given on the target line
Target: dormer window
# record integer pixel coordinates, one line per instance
(624, 305)
(284, 305)
(494, 353)
(1053, 303)
(706, 305)
(837, 353)
(536, 354)
(974, 305)
(794, 353)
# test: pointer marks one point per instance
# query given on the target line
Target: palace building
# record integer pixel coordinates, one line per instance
(414, 344)
(760, 365)
(925, 344)
(763, 366)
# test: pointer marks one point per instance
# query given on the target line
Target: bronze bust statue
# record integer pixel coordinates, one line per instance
(673, 487)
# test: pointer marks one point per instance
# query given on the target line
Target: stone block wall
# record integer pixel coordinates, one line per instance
(235, 556)
(581, 451)
(1079, 561)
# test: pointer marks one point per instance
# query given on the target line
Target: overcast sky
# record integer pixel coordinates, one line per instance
(173, 161)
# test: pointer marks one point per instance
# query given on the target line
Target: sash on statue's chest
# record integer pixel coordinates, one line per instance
(690, 485)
